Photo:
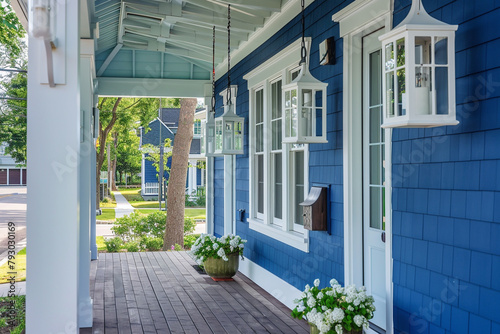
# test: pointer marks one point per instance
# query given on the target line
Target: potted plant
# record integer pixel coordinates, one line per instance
(335, 309)
(219, 257)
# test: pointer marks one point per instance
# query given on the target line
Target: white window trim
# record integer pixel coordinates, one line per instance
(276, 68)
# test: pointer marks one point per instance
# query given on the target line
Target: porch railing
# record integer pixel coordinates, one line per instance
(150, 188)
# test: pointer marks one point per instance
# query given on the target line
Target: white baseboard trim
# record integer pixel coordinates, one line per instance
(271, 283)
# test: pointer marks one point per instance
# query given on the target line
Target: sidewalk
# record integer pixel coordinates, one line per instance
(123, 207)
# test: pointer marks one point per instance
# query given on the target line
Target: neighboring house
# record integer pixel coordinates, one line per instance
(159, 130)
(10, 172)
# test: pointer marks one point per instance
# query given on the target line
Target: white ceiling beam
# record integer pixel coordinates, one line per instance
(271, 5)
(221, 8)
(235, 15)
(108, 60)
(123, 87)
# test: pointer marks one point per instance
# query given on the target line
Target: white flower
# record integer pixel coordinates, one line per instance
(311, 302)
(320, 295)
(359, 320)
(221, 252)
(333, 282)
(338, 329)
(337, 315)
(350, 308)
(215, 246)
(316, 282)
(307, 288)
(323, 328)
(241, 246)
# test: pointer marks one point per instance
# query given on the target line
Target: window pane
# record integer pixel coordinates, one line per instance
(441, 50)
(442, 90)
(375, 122)
(259, 138)
(299, 187)
(259, 106)
(277, 136)
(375, 82)
(375, 207)
(375, 165)
(276, 99)
(260, 184)
(278, 203)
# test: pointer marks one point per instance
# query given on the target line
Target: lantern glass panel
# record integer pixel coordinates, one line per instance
(318, 114)
(218, 135)
(389, 79)
(306, 115)
(423, 50)
(238, 135)
(389, 57)
(291, 113)
(423, 90)
(441, 50)
(442, 90)
(400, 48)
(228, 135)
(402, 97)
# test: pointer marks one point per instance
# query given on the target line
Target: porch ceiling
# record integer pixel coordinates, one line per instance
(172, 39)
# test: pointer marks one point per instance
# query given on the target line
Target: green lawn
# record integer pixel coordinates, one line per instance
(20, 268)
(194, 213)
(110, 204)
(100, 243)
(107, 214)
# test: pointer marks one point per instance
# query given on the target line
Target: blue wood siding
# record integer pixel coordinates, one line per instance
(326, 257)
(446, 191)
(446, 181)
(150, 171)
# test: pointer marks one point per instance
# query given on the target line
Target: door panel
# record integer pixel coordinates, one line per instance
(374, 264)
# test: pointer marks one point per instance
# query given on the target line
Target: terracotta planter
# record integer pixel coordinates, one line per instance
(315, 330)
(219, 269)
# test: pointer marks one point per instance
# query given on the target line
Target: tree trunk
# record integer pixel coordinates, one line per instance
(103, 134)
(176, 190)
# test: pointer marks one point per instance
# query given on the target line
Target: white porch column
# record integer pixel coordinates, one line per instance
(53, 165)
(192, 178)
(87, 74)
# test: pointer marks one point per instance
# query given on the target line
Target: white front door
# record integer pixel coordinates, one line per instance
(374, 263)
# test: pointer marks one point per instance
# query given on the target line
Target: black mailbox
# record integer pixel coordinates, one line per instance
(314, 208)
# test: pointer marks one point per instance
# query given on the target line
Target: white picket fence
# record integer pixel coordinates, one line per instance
(151, 188)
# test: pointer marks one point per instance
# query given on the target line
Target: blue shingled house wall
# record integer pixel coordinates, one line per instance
(446, 180)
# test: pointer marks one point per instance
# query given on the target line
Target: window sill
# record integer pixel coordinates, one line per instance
(291, 238)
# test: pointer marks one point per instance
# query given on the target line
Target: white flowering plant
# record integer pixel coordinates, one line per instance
(208, 246)
(335, 308)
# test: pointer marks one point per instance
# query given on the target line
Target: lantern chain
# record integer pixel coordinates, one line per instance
(228, 54)
(213, 72)
(303, 50)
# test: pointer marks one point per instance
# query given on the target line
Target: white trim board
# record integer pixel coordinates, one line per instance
(271, 283)
(357, 20)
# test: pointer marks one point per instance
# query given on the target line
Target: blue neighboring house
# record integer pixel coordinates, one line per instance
(163, 127)
(430, 251)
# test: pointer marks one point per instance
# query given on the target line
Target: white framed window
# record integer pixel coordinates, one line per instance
(197, 127)
(278, 172)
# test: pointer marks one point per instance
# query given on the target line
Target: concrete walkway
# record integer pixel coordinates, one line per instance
(123, 207)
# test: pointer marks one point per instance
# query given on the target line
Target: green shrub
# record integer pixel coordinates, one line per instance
(151, 243)
(105, 200)
(132, 246)
(114, 244)
(189, 240)
(200, 201)
(136, 226)
(178, 248)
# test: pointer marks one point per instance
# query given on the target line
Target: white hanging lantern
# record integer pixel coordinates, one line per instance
(229, 128)
(229, 132)
(304, 100)
(418, 58)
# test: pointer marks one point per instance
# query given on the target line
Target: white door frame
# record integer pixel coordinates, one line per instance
(361, 18)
